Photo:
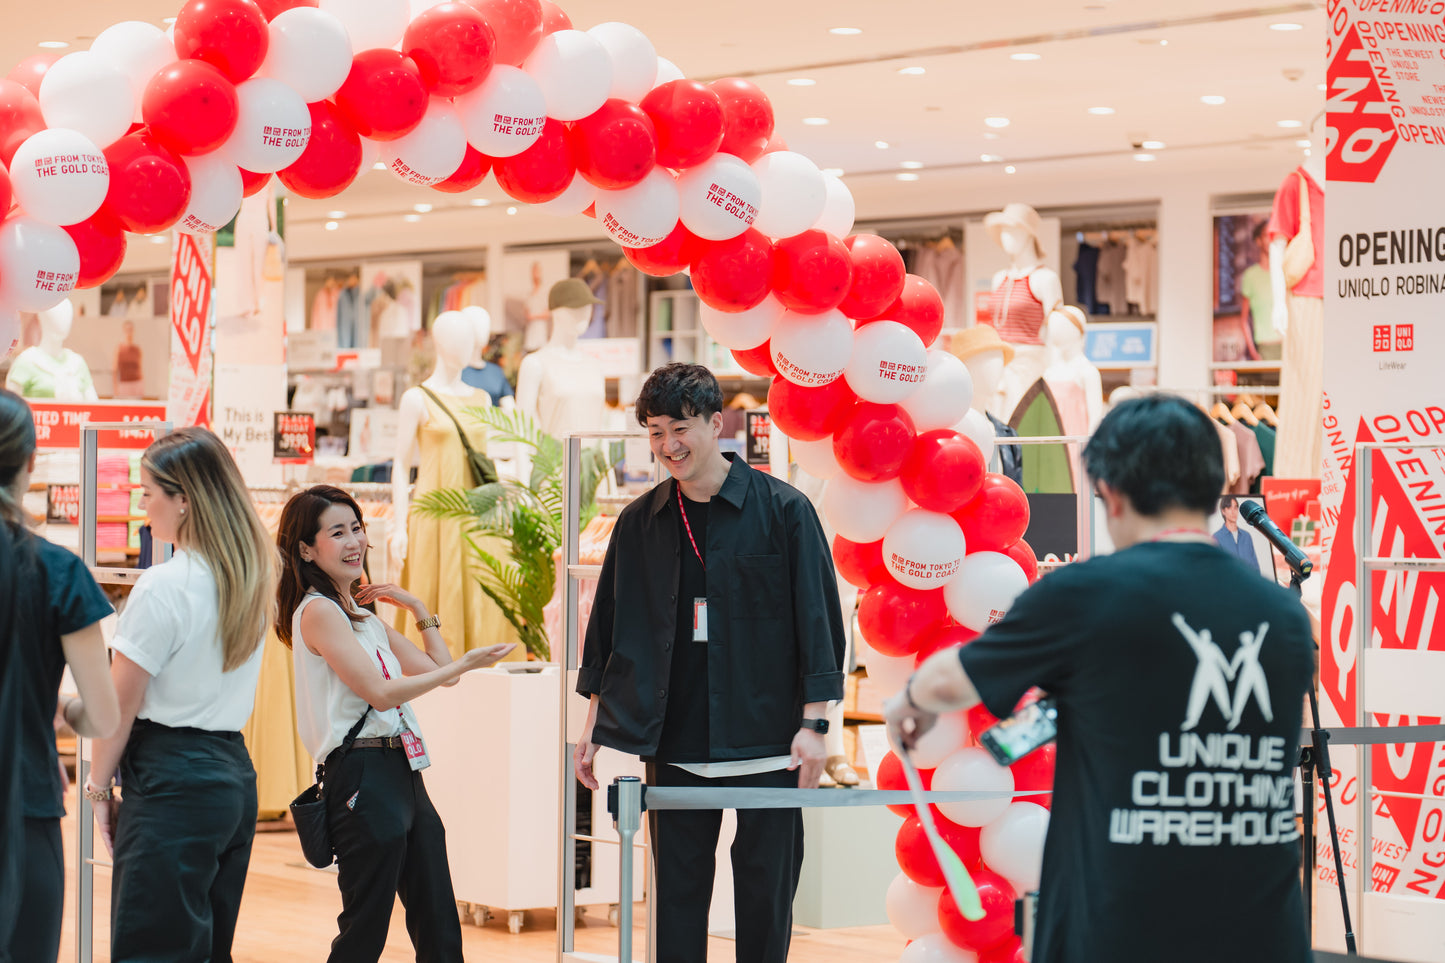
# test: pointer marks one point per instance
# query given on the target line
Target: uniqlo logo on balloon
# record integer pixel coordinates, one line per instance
(1359, 133)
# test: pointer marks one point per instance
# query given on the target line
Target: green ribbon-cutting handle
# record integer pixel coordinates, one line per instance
(955, 874)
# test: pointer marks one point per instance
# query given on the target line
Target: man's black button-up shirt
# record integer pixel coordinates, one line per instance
(775, 629)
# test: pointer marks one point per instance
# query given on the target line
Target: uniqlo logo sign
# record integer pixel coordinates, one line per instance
(1404, 337)
(1382, 337)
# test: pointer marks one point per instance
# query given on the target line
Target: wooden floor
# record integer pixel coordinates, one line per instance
(289, 912)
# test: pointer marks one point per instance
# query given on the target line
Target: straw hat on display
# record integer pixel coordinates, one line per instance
(977, 340)
(1075, 315)
(1014, 215)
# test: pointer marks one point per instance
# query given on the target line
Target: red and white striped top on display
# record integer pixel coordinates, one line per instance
(1016, 312)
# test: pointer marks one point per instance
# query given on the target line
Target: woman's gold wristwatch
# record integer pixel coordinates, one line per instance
(430, 622)
(98, 795)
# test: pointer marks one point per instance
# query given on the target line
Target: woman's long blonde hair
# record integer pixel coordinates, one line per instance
(222, 527)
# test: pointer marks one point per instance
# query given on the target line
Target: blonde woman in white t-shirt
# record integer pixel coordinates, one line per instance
(354, 672)
(187, 657)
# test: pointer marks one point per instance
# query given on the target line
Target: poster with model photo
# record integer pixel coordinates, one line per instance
(1243, 306)
(390, 302)
(1236, 537)
(527, 277)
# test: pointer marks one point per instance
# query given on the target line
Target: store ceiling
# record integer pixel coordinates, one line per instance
(1149, 60)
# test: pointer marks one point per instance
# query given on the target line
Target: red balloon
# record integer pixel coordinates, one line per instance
(228, 34)
(747, 118)
(997, 924)
(473, 171)
(941, 637)
(100, 239)
(542, 171)
(733, 275)
(149, 185)
(27, 73)
(190, 107)
(1009, 951)
(1023, 553)
(979, 719)
(614, 147)
(809, 413)
(894, 618)
(860, 563)
(775, 143)
(688, 117)
(758, 361)
(944, 471)
(915, 855)
(517, 24)
(271, 9)
(6, 189)
(19, 118)
(384, 97)
(878, 275)
(1036, 771)
(251, 182)
(811, 272)
(553, 19)
(669, 255)
(874, 441)
(918, 307)
(997, 516)
(453, 46)
(332, 157)
(889, 775)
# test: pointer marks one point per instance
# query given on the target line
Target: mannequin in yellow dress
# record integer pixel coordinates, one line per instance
(433, 557)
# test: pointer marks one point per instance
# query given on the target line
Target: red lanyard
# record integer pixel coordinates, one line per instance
(682, 508)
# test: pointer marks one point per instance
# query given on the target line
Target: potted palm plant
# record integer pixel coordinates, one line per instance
(528, 516)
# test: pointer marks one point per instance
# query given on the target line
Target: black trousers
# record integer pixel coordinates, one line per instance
(389, 842)
(42, 874)
(767, 857)
(182, 845)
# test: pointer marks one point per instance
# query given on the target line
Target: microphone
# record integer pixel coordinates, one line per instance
(1259, 520)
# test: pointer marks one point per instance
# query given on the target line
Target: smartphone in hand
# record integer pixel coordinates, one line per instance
(1031, 727)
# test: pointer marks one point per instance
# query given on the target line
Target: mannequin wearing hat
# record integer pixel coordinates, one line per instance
(986, 356)
(1024, 295)
(560, 386)
(1071, 377)
(50, 369)
(427, 552)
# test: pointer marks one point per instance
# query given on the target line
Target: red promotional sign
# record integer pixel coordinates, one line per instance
(191, 298)
(58, 425)
(1361, 133)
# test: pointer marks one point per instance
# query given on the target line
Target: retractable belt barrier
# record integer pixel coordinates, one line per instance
(1380, 735)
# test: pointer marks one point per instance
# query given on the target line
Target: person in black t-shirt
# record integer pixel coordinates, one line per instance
(1180, 677)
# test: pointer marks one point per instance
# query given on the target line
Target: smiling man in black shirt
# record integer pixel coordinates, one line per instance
(714, 646)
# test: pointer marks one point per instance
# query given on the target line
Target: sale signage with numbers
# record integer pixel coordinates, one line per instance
(294, 436)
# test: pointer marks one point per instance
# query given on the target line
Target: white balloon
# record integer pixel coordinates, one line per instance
(741, 330)
(888, 363)
(139, 49)
(371, 23)
(370, 154)
(505, 114)
(272, 126)
(1013, 844)
(936, 948)
(812, 349)
(719, 197)
(216, 194)
(59, 176)
(86, 92)
(667, 72)
(634, 59)
(641, 215)
(578, 196)
(39, 264)
(863, 511)
(984, 588)
(574, 71)
(923, 549)
(944, 397)
(938, 743)
(889, 672)
(793, 193)
(815, 457)
(433, 151)
(912, 909)
(309, 51)
(975, 425)
(972, 770)
(838, 208)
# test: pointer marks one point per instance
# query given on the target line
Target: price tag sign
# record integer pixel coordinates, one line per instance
(62, 504)
(759, 435)
(294, 438)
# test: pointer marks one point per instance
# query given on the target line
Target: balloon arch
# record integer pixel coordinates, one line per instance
(150, 131)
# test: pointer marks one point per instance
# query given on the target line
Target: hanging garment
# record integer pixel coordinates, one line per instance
(1109, 284)
(1086, 278)
(1251, 459)
(1141, 264)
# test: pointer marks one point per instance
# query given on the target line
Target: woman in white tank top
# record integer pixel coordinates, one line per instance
(353, 672)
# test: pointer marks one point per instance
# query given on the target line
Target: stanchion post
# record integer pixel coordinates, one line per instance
(627, 819)
(1364, 462)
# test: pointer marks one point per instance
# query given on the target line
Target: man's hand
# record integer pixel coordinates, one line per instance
(809, 755)
(582, 755)
(906, 722)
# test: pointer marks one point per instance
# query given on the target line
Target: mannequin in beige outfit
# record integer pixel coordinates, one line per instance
(1299, 318)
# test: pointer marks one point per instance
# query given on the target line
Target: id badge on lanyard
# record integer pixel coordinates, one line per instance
(699, 620)
(416, 755)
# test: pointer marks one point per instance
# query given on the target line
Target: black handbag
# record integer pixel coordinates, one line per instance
(484, 470)
(308, 810)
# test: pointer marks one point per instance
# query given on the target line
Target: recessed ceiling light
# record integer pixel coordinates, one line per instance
(996, 121)
(990, 158)
(411, 218)
(332, 225)
(480, 202)
(421, 208)
(1144, 157)
(1308, 152)
(168, 21)
(159, 239)
(1010, 169)
(845, 31)
(336, 215)
(1024, 55)
(1289, 123)
(379, 166)
(1101, 111)
(912, 71)
(1211, 99)
(1302, 142)
(911, 165)
(990, 135)
(881, 144)
(906, 176)
(1321, 87)
(1163, 43)
(1285, 27)
(815, 121)
(835, 171)
(801, 82)
(1153, 145)
(511, 210)
(54, 44)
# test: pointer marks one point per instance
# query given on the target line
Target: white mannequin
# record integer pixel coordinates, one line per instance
(481, 321)
(50, 369)
(559, 386)
(1314, 166)
(1065, 338)
(1015, 229)
(455, 341)
(986, 357)
(1025, 261)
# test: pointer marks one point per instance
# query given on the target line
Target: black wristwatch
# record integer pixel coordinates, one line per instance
(820, 726)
